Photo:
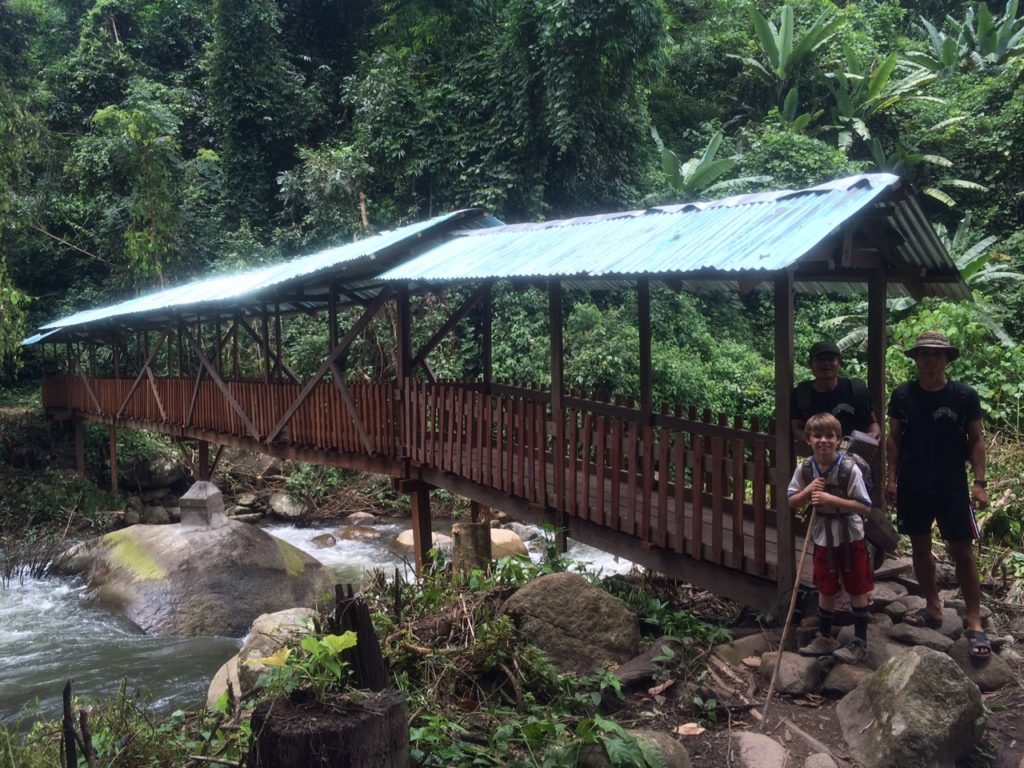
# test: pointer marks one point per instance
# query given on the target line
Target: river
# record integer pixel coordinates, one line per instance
(49, 634)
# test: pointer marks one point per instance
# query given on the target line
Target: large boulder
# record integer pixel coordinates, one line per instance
(156, 473)
(268, 633)
(507, 543)
(580, 627)
(283, 504)
(193, 580)
(918, 708)
(405, 542)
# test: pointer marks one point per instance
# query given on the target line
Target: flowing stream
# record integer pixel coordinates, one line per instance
(48, 635)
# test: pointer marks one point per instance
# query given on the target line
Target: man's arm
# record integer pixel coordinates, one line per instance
(976, 454)
(893, 443)
(797, 425)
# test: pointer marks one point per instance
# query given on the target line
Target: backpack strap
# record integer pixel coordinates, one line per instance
(862, 412)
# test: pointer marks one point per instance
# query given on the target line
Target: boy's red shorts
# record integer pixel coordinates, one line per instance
(858, 580)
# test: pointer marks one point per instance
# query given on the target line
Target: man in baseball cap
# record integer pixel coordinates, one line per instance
(846, 399)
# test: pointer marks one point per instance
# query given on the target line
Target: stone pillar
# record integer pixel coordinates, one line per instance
(203, 506)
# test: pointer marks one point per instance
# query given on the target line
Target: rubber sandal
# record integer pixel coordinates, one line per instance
(921, 618)
(981, 648)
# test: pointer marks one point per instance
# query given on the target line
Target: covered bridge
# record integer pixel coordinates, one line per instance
(694, 495)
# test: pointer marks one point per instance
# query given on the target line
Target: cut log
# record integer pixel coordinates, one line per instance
(368, 733)
(365, 660)
(471, 546)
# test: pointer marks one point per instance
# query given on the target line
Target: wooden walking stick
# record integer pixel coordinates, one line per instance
(789, 618)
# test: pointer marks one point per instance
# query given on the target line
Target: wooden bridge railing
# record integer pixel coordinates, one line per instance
(693, 484)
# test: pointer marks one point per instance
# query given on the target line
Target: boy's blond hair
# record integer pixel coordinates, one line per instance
(823, 424)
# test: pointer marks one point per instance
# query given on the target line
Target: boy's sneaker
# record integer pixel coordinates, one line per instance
(854, 652)
(820, 646)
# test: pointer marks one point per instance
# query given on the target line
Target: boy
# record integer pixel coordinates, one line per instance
(833, 484)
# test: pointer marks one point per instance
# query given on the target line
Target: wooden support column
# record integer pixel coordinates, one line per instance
(265, 344)
(332, 315)
(783, 442)
(643, 305)
(486, 350)
(79, 446)
(112, 442)
(204, 460)
(422, 532)
(877, 318)
(557, 408)
(404, 339)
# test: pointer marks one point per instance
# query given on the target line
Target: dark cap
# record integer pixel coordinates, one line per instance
(824, 348)
(933, 340)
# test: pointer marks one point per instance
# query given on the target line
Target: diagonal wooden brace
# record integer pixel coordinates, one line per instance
(338, 351)
(145, 370)
(211, 371)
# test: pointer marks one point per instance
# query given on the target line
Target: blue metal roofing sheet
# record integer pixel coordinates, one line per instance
(760, 232)
(233, 286)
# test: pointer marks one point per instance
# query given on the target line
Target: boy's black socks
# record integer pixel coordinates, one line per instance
(861, 617)
(825, 622)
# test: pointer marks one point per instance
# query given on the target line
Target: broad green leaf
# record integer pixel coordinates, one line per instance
(342, 642)
(766, 36)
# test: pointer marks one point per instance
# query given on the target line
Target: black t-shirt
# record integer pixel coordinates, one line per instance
(933, 440)
(839, 402)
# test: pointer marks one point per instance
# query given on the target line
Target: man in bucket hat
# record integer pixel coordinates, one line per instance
(935, 429)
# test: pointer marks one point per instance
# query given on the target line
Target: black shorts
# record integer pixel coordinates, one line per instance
(916, 511)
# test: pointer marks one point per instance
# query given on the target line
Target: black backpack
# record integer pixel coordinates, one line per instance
(861, 411)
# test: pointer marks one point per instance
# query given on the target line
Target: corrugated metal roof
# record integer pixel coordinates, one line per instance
(355, 257)
(694, 244)
(761, 232)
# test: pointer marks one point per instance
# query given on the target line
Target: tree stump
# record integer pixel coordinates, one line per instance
(368, 733)
(471, 546)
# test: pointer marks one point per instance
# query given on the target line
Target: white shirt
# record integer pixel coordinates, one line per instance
(855, 490)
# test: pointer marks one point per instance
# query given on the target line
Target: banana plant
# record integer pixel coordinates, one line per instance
(699, 174)
(782, 51)
(986, 43)
(903, 162)
(863, 90)
(996, 40)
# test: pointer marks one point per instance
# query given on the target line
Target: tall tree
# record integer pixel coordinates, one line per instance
(256, 100)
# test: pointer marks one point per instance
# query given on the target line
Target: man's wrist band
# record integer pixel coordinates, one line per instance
(981, 483)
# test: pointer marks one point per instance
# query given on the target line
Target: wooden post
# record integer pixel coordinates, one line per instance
(79, 447)
(404, 340)
(783, 442)
(643, 305)
(486, 351)
(422, 534)
(112, 439)
(471, 546)
(557, 386)
(876, 373)
(204, 460)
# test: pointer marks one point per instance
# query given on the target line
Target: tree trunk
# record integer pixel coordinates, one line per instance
(368, 733)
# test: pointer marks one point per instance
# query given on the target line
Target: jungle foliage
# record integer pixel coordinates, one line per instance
(146, 142)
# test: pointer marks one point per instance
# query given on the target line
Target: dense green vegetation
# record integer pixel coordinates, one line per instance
(145, 142)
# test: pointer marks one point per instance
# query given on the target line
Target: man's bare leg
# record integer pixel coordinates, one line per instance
(962, 553)
(924, 572)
